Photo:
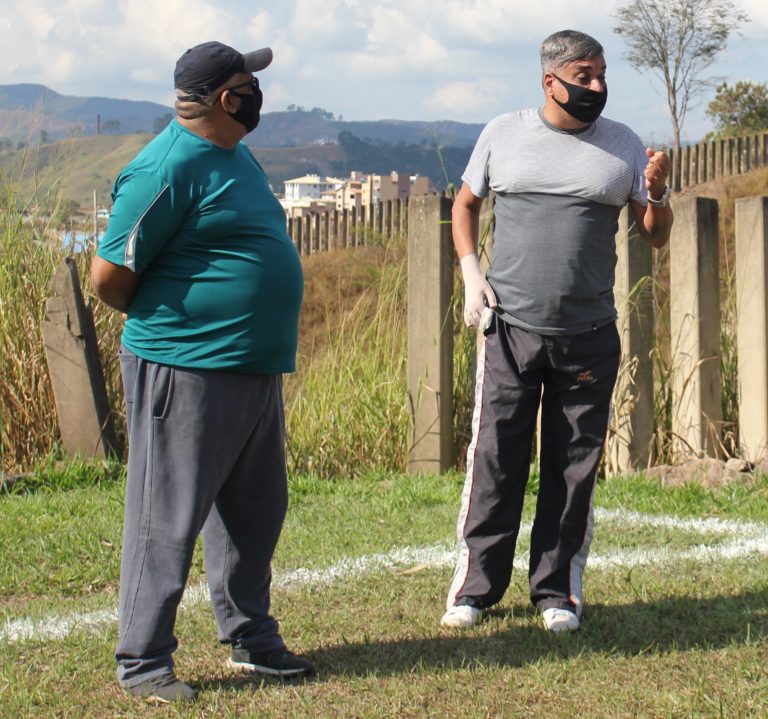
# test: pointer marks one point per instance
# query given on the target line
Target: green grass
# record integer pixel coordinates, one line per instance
(684, 639)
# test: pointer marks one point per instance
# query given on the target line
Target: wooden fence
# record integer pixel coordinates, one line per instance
(336, 229)
(703, 162)
(694, 336)
(707, 161)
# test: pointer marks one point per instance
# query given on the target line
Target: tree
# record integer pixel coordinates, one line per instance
(111, 126)
(739, 109)
(677, 40)
(44, 137)
(161, 123)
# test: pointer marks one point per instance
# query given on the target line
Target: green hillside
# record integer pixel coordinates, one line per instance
(70, 169)
(73, 169)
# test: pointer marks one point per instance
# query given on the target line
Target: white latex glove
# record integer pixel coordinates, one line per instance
(477, 292)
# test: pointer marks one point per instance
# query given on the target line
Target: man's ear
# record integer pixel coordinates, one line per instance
(227, 100)
(546, 83)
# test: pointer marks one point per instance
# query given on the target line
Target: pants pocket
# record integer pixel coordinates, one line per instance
(162, 391)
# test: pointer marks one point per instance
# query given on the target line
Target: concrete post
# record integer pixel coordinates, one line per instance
(353, 232)
(378, 219)
(316, 243)
(718, 160)
(387, 219)
(674, 169)
(370, 220)
(290, 230)
(430, 334)
(695, 327)
(344, 228)
(325, 231)
(72, 353)
(306, 235)
(752, 324)
(696, 165)
(631, 448)
(729, 160)
(739, 156)
(297, 234)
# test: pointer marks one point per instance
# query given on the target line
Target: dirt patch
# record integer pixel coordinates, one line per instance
(708, 472)
(333, 282)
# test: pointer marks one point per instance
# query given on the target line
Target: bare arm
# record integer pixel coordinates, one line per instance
(113, 284)
(478, 294)
(654, 223)
(466, 221)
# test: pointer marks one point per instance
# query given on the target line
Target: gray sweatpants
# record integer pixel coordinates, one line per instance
(577, 374)
(206, 452)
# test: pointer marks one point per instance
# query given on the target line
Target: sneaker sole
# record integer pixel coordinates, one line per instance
(459, 625)
(456, 623)
(259, 669)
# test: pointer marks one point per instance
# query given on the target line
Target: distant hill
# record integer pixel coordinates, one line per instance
(75, 168)
(27, 110)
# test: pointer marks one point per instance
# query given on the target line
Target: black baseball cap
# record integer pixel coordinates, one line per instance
(205, 67)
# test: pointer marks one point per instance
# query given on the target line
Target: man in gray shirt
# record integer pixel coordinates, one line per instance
(561, 175)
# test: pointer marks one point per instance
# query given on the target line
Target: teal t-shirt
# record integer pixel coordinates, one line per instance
(220, 283)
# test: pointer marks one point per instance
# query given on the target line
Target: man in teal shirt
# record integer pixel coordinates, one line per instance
(197, 256)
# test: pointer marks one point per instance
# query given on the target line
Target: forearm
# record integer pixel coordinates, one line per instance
(657, 223)
(112, 284)
(465, 222)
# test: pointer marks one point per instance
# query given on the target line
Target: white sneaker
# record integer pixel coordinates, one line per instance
(560, 620)
(462, 616)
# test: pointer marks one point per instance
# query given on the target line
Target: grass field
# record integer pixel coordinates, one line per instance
(676, 620)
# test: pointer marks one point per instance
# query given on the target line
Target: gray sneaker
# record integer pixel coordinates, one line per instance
(274, 662)
(164, 688)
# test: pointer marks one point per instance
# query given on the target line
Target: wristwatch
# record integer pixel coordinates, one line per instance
(663, 201)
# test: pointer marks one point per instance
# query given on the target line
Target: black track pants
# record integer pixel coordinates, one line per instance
(577, 374)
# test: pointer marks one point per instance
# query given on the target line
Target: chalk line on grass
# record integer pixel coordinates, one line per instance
(736, 540)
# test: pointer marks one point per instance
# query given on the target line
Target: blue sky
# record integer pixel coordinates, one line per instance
(465, 60)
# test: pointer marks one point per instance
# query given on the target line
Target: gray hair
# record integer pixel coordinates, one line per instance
(198, 106)
(565, 47)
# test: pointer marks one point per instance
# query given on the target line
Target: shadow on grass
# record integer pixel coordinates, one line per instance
(619, 631)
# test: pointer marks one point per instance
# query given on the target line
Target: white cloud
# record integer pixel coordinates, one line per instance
(463, 59)
(459, 98)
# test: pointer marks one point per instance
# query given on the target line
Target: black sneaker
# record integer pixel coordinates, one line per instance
(275, 662)
(164, 688)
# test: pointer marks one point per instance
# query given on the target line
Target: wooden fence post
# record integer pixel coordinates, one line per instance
(430, 334)
(72, 353)
(695, 327)
(752, 324)
(631, 444)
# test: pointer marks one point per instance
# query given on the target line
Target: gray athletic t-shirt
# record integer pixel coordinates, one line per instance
(558, 198)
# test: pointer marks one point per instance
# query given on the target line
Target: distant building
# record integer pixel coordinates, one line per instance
(311, 194)
(312, 186)
(422, 185)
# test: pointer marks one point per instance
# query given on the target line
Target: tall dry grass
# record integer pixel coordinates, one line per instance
(347, 407)
(31, 248)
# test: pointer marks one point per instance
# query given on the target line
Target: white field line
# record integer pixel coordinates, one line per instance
(739, 539)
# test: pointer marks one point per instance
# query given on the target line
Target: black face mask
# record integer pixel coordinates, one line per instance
(583, 104)
(249, 112)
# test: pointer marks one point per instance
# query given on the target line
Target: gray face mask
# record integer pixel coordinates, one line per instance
(583, 104)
